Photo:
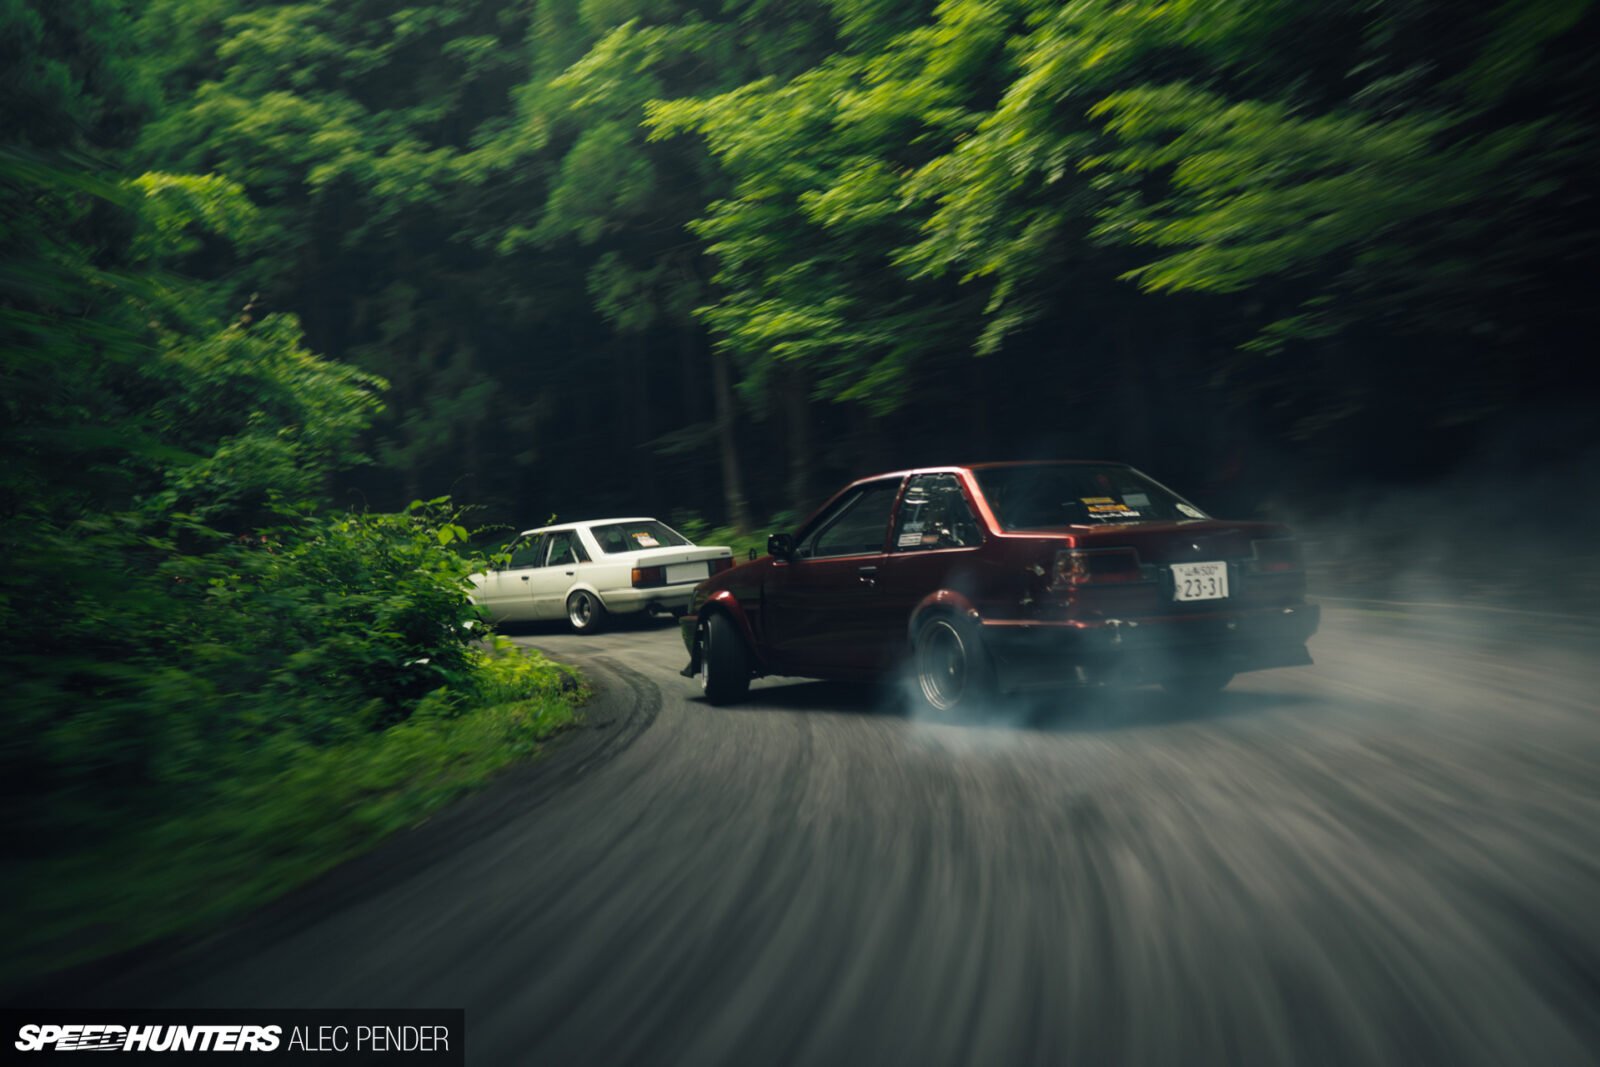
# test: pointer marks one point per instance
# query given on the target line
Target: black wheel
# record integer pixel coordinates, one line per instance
(1199, 685)
(585, 612)
(724, 661)
(949, 668)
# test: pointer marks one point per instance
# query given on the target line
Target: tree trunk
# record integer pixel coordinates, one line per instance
(797, 421)
(643, 458)
(1133, 394)
(732, 484)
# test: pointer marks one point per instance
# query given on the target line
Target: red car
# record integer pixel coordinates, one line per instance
(1006, 576)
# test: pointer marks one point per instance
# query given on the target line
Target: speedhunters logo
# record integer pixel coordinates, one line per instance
(102, 1037)
(323, 1036)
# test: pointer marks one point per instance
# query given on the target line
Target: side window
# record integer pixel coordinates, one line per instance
(856, 526)
(935, 514)
(528, 552)
(565, 548)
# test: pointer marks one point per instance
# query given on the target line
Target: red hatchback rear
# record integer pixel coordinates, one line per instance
(1006, 576)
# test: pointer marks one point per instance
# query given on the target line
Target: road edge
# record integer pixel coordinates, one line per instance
(621, 707)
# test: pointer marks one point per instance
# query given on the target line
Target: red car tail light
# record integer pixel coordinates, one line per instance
(721, 563)
(1096, 566)
(648, 577)
(1276, 555)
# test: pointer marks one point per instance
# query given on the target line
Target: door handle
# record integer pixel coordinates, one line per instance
(524, 577)
(868, 574)
(571, 573)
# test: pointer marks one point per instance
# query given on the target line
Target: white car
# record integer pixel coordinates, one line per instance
(587, 570)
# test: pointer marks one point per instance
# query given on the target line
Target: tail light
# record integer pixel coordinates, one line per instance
(1276, 555)
(649, 577)
(721, 563)
(1097, 566)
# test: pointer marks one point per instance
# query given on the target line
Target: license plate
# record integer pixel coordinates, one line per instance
(1199, 581)
(685, 572)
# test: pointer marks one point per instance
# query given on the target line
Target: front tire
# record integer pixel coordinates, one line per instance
(724, 661)
(950, 671)
(585, 612)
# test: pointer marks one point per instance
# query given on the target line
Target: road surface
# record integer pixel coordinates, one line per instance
(1393, 856)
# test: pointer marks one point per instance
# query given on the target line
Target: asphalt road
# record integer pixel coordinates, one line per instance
(1393, 856)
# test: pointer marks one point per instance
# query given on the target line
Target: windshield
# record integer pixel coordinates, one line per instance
(1045, 496)
(632, 536)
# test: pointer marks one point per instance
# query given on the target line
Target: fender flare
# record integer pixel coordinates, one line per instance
(726, 603)
(941, 602)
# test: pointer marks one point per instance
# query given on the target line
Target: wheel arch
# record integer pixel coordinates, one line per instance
(941, 602)
(586, 587)
(723, 602)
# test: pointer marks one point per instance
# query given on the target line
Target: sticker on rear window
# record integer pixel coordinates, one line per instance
(1136, 500)
(910, 540)
(645, 540)
(1192, 512)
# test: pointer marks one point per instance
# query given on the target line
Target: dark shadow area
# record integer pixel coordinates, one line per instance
(854, 698)
(1048, 711)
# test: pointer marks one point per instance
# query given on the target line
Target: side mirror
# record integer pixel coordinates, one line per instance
(780, 546)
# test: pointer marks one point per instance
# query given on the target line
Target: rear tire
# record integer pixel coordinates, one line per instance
(724, 661)
(585, 613)
(950, 671)
(1197, 686)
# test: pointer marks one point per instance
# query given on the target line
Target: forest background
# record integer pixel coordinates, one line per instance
(305, 306)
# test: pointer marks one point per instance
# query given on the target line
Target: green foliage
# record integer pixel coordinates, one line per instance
(702, 532)
(178, 205)
(197, 648)
(287, 812)
(1398, 179)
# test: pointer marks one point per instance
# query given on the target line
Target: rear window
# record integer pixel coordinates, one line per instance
(1048, 496)
(632, 536)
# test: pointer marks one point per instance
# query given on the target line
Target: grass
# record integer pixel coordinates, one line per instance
(283, 816)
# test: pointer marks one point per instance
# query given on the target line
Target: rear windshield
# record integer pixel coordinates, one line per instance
(632, 536)
(1052, 495)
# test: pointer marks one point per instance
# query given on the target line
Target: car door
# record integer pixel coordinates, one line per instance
(565, 556)
(820, 608)
(935, 545)
(513, 587)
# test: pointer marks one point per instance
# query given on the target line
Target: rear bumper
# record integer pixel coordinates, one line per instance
(673, 599)
(1029, 654)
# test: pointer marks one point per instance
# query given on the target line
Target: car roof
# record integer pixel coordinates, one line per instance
(587, 522)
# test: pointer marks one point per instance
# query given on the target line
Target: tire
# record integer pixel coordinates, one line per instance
(950, 671)
(585, 612)
(1197, 686)
(724, 661)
